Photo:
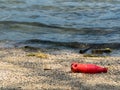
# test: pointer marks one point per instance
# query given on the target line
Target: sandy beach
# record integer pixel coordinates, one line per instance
(20, 71)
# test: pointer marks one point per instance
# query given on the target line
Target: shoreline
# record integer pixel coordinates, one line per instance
(46, 44)
(19, 71)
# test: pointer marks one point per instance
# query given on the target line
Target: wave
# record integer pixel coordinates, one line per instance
(29, 23)
(54, 25)
(71, 44)
(64, 29)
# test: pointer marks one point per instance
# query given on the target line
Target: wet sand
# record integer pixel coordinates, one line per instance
(21, 72)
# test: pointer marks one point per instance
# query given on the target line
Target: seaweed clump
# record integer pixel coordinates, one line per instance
(95, 52)
(39, 55)
(101, 51)
(91, 55)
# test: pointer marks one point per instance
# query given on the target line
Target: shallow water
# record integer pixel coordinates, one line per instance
(82, 21)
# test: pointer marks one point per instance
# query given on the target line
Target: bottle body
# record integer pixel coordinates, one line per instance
(87, 68)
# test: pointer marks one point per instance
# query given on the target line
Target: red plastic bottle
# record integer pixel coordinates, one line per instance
(87, 68)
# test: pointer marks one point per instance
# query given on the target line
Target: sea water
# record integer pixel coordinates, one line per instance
(61, 21)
